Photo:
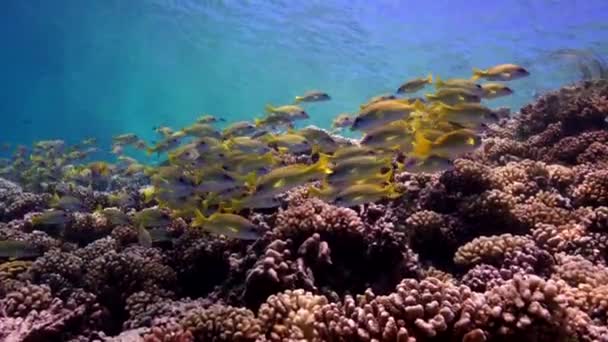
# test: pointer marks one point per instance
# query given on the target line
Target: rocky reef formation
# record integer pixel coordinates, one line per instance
(509, 245)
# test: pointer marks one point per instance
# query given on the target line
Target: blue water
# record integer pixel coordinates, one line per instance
(73, 69)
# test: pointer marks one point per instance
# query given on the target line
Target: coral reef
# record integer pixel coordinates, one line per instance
(509, 244)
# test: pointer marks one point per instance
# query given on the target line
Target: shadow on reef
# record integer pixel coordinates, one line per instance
(511, 244)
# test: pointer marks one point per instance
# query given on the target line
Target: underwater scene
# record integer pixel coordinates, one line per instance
(252, 171)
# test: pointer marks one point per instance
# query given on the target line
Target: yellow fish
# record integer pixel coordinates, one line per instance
(240, 128)
(201, 130)
(414, 85)
(428, 165)
(288, 177)
(393, 136)
(343, 120)
(502, 72)
(453, 95)
(288, 142)
(230, 225)
(312, 96)
(364, 193)
(466, 114)
(494, 90)
(449, 145)
(459, 83)
(383, 112)
(378, 98)
(207, 119)
(358, 168)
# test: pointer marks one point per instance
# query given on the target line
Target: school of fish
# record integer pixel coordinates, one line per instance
(212, 176)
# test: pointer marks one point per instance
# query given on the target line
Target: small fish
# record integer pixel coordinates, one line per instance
(215, 179)
(383, 112)
(312, 96)
(117, 149)
(152, 217)
(89, 142)
(288, 177)
(430, 164)
(115, 216)
(364, 193)
(414, 85)
(47, 145)
(320, 139)
(396, 135)
(466, 114)
(348, 152)
(165, 145)
(245, 163)
(343, 120)
(230, 225)
(254, 202)
(378, 98)
(125, 139)
(449, 145)
(17, 250)
(494, 90)
(502, 72)
(246, 145)
(453, 95)
(459, 83)
(164, 131)
(288, 142)
(239, 129)
(51, 217)
(282, 116)
(360, 167)
(207, 119)
(202, 130)
(68, 203)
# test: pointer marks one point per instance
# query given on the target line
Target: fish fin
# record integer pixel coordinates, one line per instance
(199, 219)
(54, 201)
(323, 163)
(298, 99)
(269, 108)
(149, 151)
(429, 79)
(477, 73)
(438, 82)
(422, 145)
(257, 122)
(282, 150)
(430, 96)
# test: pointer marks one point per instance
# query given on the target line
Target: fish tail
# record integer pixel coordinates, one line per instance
(269, 108)
(429, 79)
(477, 73)
(258, 122)
(149, 151)
(298, 99)
(438, 82)
(199, 219)
(430, 96)
(422, 145)
(323, 163)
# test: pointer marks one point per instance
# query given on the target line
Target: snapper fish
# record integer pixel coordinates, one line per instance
(230, 225)
(430, 164)
(449, 145)
(502, 72)
(494, 90)
(414, 85)
(312, 96)
(384, 112)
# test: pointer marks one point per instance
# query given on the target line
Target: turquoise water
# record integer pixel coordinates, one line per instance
(74, 69)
